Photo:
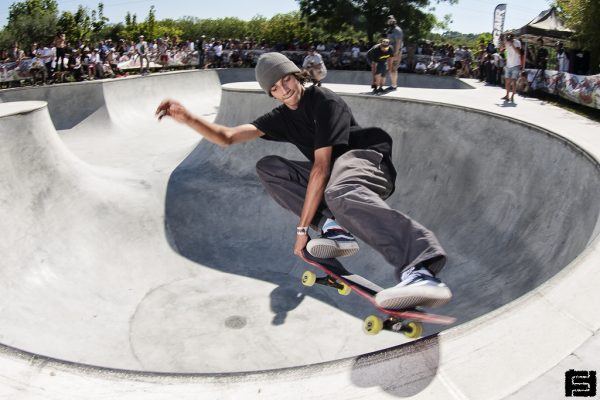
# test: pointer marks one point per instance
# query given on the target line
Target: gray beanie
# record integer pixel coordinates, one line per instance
(271, 67)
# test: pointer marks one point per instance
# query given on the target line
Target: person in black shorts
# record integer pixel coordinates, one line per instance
(341, 187)
(381, 57)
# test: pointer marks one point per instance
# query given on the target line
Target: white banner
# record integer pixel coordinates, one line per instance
(499, 16)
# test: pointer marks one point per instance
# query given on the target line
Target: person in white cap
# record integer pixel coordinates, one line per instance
(396, 37)
(340, 188)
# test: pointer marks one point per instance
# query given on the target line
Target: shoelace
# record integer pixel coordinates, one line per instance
(337, 232)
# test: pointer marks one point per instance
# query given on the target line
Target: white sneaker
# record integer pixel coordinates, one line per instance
(420, 288)
(332, 244)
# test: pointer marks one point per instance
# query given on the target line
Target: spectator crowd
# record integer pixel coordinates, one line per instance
(60, 60)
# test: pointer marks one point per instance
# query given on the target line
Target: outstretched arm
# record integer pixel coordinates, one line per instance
(215, 133)
(317, 181)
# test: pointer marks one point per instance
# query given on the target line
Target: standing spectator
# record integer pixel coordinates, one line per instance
(541, 57)
(218, 49)
(355, 55)
(513, 66)
(60, 43)
(396, 38)
(380, 57)
(491, 48)
(141, 49)
(562, 60)
(163, 53)
(201, 51)
(410, 57)
(313, 64)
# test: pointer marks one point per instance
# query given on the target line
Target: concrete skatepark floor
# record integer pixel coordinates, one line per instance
(135, 246)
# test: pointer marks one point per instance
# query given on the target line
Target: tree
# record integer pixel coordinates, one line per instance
(371, 15)
(29, 8)
(32, 21)
(77, 27)
(98, 19)
(582, 16)
(287, 28)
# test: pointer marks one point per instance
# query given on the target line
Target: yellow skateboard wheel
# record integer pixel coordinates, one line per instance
(344, 290)
(413, 330)
(372, 325)
(309, 278)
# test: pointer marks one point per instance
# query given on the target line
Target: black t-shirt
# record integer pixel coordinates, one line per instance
(378, 54)
(542, 56)
(323, 119)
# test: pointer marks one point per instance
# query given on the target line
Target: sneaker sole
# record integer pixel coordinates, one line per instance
(322, 250)
(431, 299)
(411, 302)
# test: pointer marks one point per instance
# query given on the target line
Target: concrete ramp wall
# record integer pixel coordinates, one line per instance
(190, 290)
(512, 204)
(128, 103)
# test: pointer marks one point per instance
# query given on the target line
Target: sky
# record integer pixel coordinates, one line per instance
(469, 16)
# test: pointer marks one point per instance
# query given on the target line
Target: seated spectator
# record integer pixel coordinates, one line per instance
(47, 54)
(446, 69)
(523, 84)
(235, 59)
(314, 65)
(420, 67)
(433, 67)
(38, 71)
(334, 58)
(74, 65)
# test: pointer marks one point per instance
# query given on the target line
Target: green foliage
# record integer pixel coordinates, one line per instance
(287, 28)
(30, 8)
(31, 21)
(582, 16)
(470, 40)
(370, 16)
(317, 21)
(76, 27)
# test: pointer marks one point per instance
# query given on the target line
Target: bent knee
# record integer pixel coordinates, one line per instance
(268, 164)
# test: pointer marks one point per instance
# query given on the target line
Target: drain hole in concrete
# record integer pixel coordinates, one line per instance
(235, 322)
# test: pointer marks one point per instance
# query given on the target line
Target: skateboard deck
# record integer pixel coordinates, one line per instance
(407, 321)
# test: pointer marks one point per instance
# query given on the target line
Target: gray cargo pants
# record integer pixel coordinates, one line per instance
(355, 194)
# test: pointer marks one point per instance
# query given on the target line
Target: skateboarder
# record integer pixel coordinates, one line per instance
(340, 189)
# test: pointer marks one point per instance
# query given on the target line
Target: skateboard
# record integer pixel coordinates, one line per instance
(406, 321)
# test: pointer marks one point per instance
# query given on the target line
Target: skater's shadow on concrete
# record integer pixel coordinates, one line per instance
(402, 371)
(283, 300)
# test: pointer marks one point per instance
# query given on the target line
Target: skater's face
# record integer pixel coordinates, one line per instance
(288, 90)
